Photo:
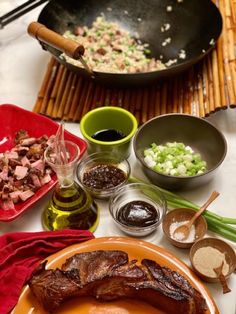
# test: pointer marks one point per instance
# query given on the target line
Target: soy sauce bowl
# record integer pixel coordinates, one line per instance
(138, 209)
(109, 118)
(101, 174)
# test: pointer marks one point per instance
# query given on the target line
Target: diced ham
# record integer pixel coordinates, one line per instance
(11, 154)
(4, 173)
(14, 196)
(22, 169)
(38, 164)
(8, 204)
(25, 195)
(28, 141)
(25, 161)
(36, 181)
(45, 179)
(20, 172)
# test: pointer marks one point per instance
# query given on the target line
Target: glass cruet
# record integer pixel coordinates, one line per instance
(70, 206)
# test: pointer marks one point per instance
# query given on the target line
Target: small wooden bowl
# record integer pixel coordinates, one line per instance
(220, 245)
(183, 214)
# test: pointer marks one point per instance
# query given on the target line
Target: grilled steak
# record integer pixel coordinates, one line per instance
(109, 275)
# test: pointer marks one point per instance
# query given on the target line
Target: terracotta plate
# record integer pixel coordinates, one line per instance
(13, 119)
(137, 249)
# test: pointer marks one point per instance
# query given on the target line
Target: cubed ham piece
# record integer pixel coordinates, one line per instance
(14, 196)
(8, 204)
(25, 195)
(4, 173)
(45, 179)
(36, 181)
(28, 141)
(20, 172)
(11, 154)
(25, 161)
(38, 164)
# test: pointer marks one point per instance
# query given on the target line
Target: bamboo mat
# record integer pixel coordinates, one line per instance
(205, 88)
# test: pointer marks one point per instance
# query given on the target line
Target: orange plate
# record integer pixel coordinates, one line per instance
(137, 249)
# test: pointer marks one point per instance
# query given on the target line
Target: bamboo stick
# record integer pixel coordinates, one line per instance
(54, 93)
(186, 96)
(75, 98)
(180, 95)
(151, 103)
(216, 83)
(157, 105)
(202, 112)
(175, 95)
(225, 9)
(96, 96)
(81, 101)
(48, 90)
(205, 89)
(210, 84)
(60, 92)
(221, 71)
(144, 116)
(70, 97)
(88, 99)
(133, 101)
(126, 100)
(64, 98)
(169, 98)
(44, 85)
(164, 98)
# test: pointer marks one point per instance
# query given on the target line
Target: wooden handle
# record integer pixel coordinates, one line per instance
(213, 196)
(45, 35)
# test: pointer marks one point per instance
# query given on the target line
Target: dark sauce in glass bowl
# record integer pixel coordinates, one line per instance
(103, 176)
(138, 214)
(108, 135)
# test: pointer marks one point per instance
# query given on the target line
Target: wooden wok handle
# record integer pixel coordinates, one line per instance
(45, 35)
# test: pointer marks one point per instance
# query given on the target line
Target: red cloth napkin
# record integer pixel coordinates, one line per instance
(22, 252)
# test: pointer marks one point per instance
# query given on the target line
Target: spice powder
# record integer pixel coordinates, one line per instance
(207, 258)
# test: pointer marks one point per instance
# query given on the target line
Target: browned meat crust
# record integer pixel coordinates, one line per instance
(109, 275)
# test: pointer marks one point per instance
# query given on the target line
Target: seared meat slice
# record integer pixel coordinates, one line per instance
(170, 281)
(52, 287)
(96, 264)
(183, 284)
(108, 275)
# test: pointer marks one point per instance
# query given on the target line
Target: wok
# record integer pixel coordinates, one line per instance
(195, 25)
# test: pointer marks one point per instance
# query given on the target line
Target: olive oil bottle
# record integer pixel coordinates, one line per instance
(70, 206)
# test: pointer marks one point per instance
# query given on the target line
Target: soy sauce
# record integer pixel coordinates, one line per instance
(138, 213)
(108, 135)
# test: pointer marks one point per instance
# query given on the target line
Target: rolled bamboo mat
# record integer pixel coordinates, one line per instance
(205, 88)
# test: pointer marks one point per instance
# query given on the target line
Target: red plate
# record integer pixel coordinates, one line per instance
(13, 119)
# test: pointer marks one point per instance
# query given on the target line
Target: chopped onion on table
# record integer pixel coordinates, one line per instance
(174, 159)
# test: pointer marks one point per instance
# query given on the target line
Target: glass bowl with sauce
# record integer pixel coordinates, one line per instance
(102, 173)
(138, 208)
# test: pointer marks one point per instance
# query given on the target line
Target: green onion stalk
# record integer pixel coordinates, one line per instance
(216, 223)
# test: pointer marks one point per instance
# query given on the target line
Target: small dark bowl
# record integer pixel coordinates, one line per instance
(202, 136)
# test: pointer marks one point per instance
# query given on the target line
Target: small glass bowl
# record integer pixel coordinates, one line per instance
(134, 192)
(98, 159)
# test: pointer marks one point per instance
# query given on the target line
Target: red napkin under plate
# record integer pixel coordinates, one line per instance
(22, 252)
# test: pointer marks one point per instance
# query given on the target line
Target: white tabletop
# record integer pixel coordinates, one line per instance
(22, 67)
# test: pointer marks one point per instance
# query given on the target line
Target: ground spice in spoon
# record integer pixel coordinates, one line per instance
(207, 258)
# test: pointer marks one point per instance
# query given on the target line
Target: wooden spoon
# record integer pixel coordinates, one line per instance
(184, 230)
(219, 273)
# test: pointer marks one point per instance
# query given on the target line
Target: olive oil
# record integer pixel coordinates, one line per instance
(71, 208)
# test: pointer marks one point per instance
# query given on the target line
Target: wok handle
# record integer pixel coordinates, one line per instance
(45, 35)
